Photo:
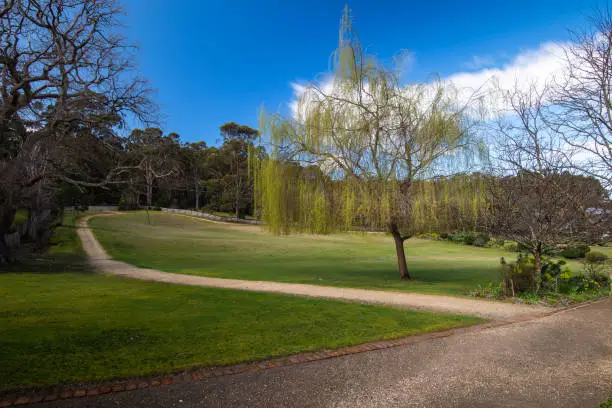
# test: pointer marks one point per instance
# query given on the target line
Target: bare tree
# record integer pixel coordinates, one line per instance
(537, 200)
(582, 110)
(153, 156)
(63, 68)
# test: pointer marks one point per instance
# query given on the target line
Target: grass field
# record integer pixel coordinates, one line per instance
(59, 322)
(188, 245)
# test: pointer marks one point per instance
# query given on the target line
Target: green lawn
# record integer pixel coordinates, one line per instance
(188, 245)
(59, 322)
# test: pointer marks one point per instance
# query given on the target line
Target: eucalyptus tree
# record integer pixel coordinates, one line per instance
(194, 157)
(376, 144)
(63, 67)
(238, 146)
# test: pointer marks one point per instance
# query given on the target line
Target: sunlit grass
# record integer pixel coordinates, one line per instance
(60, 322)
(188, 245)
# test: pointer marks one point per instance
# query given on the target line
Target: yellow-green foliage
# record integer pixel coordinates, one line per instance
(365, 152)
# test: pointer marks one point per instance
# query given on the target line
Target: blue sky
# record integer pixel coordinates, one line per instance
(214, 62)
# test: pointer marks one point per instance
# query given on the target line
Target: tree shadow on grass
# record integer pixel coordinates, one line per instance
(64, 255)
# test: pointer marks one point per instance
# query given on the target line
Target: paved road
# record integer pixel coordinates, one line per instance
(564, 360)
(488, 309)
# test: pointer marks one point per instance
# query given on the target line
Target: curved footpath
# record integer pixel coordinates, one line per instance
(446, 304)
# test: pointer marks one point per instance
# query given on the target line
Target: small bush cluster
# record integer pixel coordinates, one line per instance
(432, 235)
(478, 239)
(555, 284)
(575, 251)
(511, 246)
(607, 404)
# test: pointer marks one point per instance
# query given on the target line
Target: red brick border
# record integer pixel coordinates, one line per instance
(36, 396)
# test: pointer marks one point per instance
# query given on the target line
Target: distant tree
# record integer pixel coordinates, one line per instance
(238, 144)
(375, 142)
(232, 130)
(153, 155)
(194, 162)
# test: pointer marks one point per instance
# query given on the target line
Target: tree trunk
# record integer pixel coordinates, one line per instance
(402, 267)
(7, 216)
(149, 194)
(197, 196)
(537, 254)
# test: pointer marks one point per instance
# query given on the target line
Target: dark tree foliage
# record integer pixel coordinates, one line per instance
(66, 83)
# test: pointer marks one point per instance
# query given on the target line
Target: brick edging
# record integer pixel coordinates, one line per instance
(73, 391)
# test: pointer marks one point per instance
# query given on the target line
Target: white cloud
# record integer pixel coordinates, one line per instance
(479, 61)
(535, 67)
(531, 67)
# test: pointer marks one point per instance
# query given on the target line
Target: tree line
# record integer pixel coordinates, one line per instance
(163, 171)
(366, 152)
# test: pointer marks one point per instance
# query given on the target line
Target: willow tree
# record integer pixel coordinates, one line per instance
(361, 151)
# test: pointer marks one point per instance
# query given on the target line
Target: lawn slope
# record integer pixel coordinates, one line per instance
(182, 244)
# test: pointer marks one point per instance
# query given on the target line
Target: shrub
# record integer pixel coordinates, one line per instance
(429, 235)
(479, 242)
(518, 276)
(511, 246)
(574, 251)
(554, 274)
(461, 237)
(551, 251)
(596, 257)
(469, 238)
(607, 404)
(595, 268)
(489, 290)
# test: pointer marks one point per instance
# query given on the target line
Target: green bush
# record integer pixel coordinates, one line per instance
(469, 238)
(596, 257)
(429, 235)
(607, 404)
(479, 242)
(518, 276)
(554, 274)
(511, 246)
(575, 251)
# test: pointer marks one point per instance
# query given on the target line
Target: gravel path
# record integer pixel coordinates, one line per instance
(447, 304)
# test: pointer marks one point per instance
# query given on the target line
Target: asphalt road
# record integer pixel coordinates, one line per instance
(564, 360)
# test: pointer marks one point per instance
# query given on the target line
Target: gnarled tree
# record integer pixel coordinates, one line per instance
(63, 69)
